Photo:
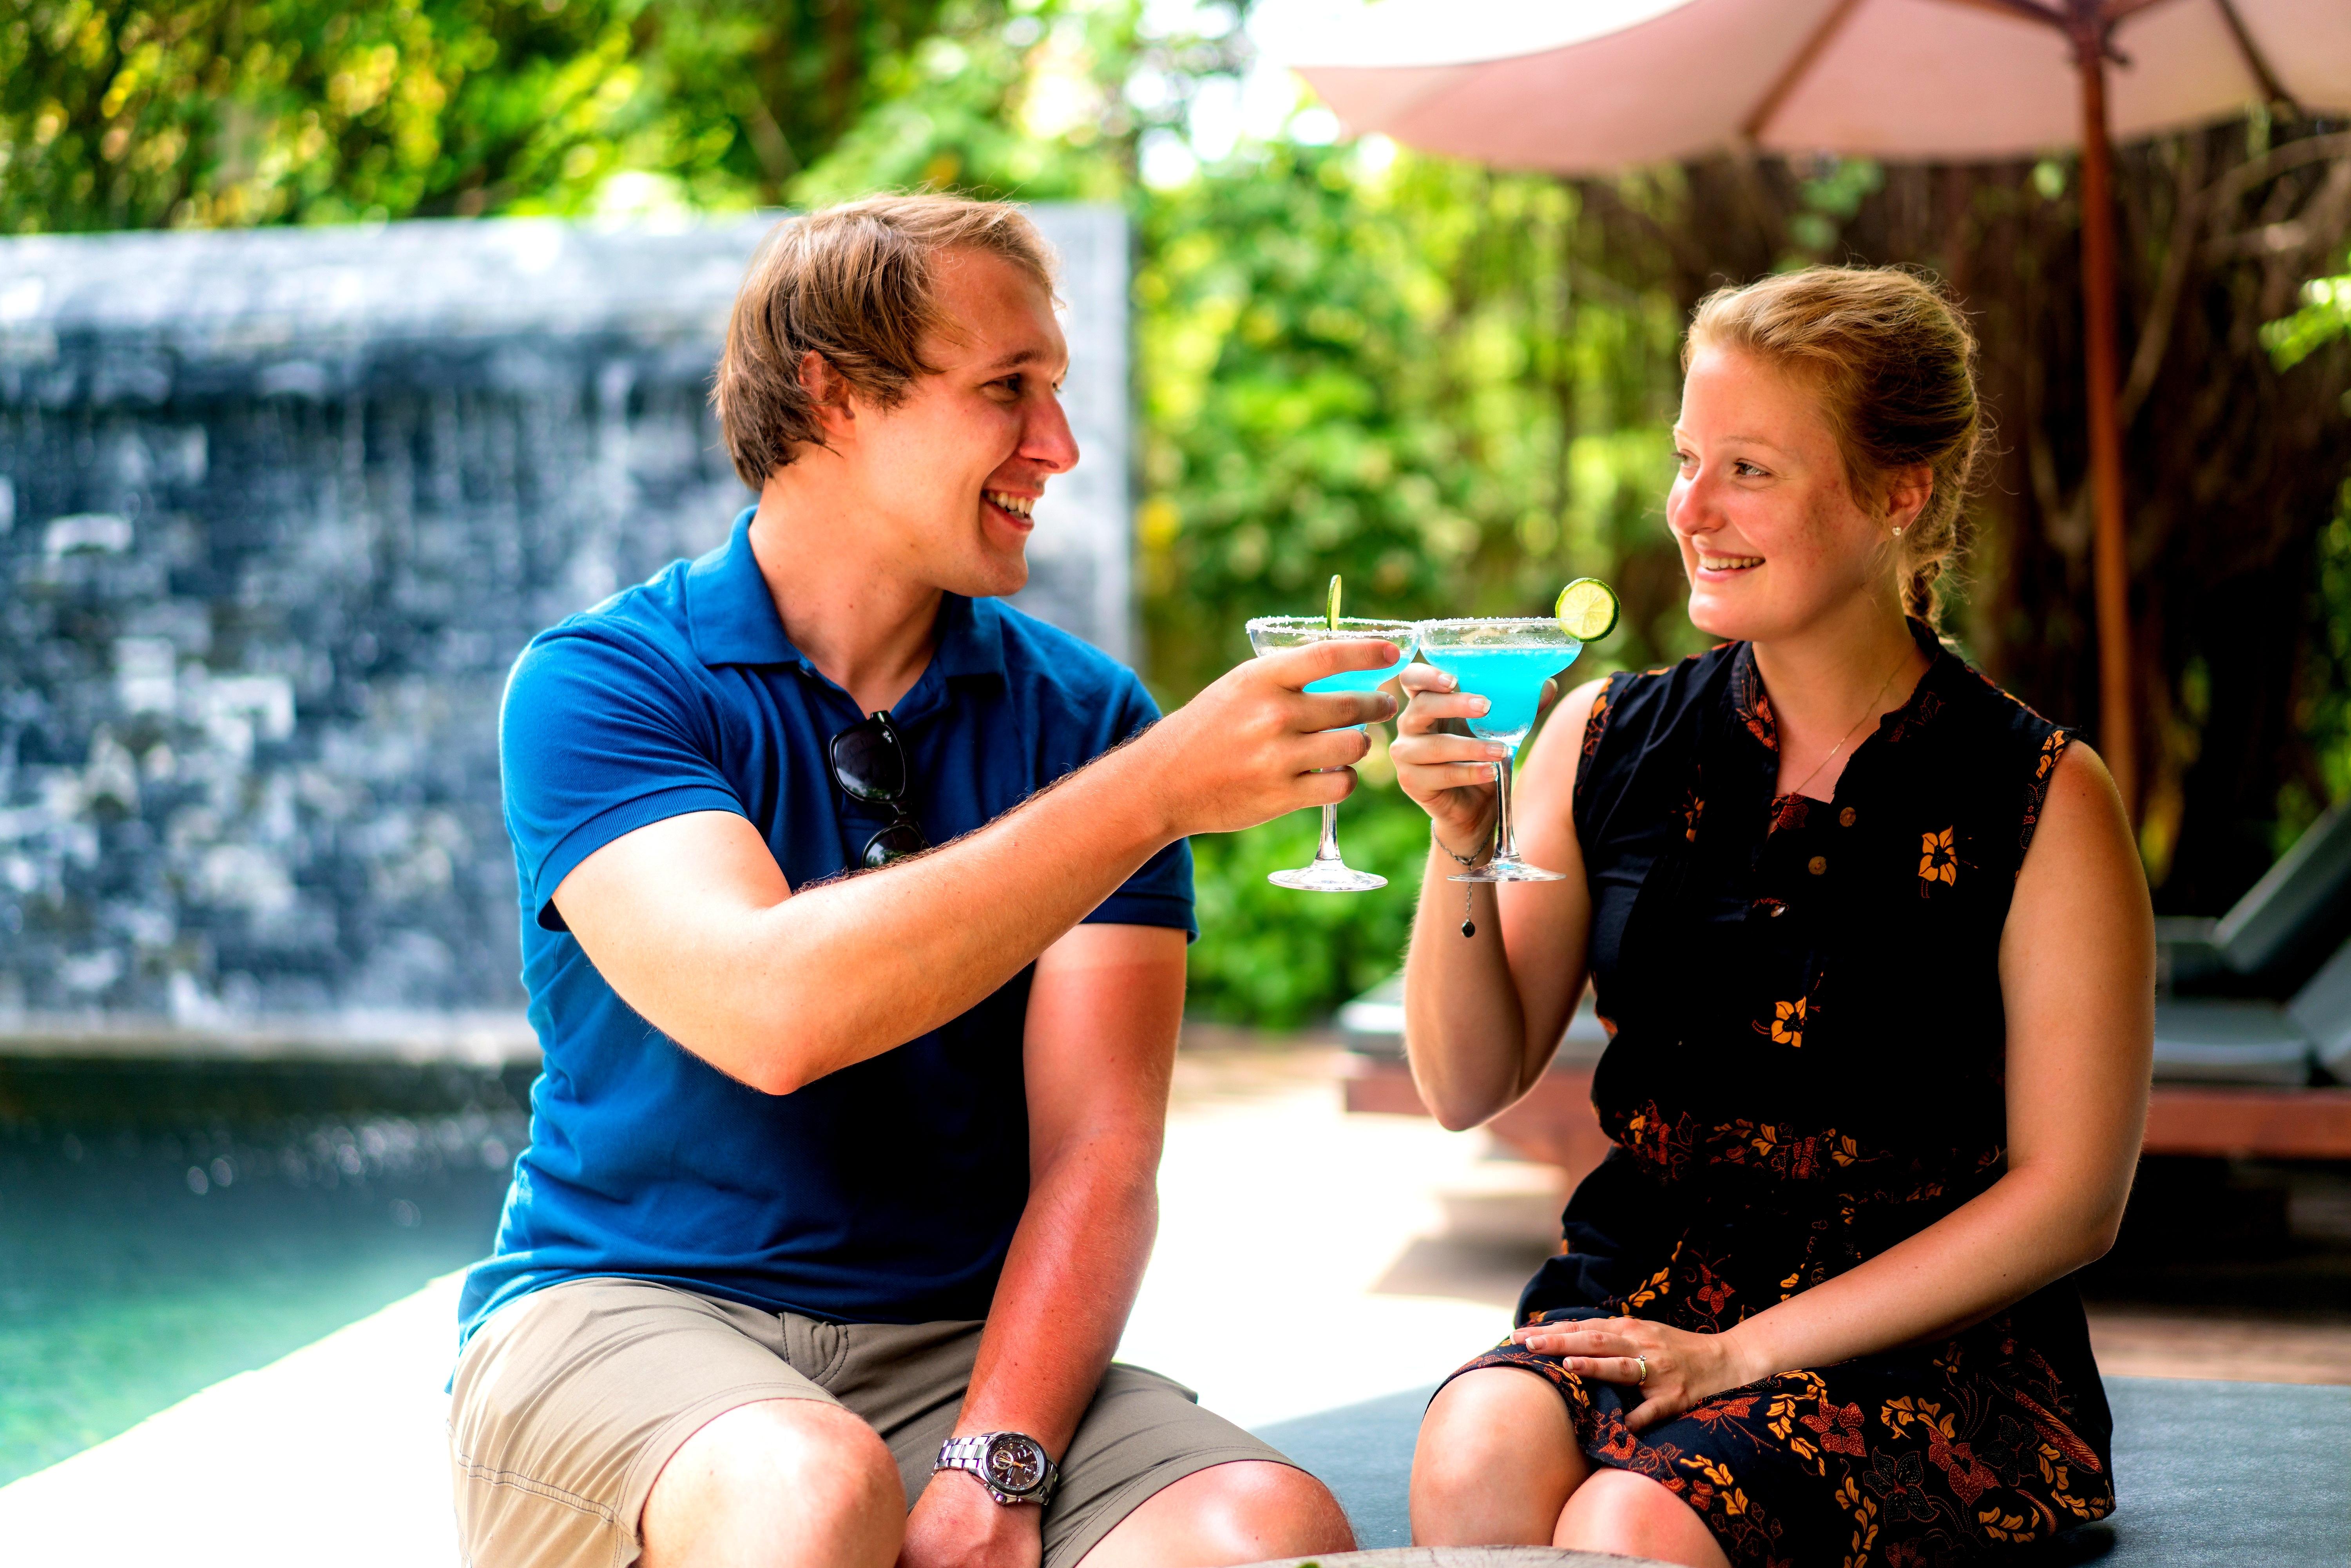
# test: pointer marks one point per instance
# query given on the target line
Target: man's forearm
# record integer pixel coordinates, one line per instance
(1069, 1282)
(849, 969)
(691, 921)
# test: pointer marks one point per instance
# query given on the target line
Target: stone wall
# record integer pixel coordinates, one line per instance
(278, 509)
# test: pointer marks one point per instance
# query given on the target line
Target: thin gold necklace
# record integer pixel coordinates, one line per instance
(1849, 734)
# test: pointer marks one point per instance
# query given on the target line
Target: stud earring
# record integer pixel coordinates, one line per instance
(1897, 533)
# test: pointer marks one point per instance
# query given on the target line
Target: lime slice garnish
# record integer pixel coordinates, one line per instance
(1334, 601)
(1586, 609)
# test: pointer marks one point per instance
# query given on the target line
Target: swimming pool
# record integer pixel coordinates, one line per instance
(146, 1253)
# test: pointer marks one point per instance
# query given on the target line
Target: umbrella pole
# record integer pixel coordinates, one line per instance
(2117, 727)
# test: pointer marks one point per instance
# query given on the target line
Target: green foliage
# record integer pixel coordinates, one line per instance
(1278, 958)
(145, 113)
(2325, 316)
(1375, 368)
(739, 98)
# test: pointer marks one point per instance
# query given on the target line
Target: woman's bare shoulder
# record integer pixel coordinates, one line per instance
(2083, 847)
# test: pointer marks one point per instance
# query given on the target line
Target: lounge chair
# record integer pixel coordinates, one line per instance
(2276, 936)
(2212, 1040)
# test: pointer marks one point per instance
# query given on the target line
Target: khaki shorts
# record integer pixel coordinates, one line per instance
(567, 1403)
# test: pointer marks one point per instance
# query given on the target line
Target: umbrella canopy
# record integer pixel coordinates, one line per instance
(1582, 88)
(1587, 87)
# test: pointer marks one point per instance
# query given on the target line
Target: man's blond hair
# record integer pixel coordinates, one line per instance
(856, 283)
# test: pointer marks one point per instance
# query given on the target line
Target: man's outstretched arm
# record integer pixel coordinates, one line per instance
(691, 921)
(1101, 1042)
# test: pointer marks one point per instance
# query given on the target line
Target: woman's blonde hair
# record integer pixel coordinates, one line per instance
(1894, 366)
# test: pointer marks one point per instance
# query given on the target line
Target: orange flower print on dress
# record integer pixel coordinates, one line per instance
(1938, 861)
(1839, 1426)
(1787, 1025)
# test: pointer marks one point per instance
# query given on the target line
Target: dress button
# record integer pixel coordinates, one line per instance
(1817, 864)
(1846, 816)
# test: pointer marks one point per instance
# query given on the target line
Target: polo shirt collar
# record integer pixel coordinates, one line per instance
(732, 617)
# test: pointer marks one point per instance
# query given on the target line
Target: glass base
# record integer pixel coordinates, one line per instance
(1512, 870)
(1327, 876)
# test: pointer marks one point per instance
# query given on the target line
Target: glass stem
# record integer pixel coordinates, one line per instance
(1329, 849)
(1506, 841)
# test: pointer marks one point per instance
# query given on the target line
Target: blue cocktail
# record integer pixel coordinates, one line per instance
(1505, 661)
(1327, 872)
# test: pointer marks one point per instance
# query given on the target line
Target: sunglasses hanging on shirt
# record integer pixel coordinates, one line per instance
(868, 762)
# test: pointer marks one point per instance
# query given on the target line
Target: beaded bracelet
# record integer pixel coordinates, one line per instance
(1468, 889)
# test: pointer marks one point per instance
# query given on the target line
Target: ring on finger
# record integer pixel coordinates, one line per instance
(1643, 1360)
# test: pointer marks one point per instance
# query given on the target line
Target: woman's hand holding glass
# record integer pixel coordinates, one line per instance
(1683, 1368)
(1449, 776)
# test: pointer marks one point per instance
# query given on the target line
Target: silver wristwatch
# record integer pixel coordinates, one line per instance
(1012, 1466)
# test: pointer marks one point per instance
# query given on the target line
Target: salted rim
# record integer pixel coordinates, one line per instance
(1501, 621)
(1323, 624)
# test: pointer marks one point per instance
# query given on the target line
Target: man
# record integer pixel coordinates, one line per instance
(839, 1180)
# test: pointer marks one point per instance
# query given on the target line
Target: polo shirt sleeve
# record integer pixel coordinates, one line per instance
(1160, 894)
(596, 739)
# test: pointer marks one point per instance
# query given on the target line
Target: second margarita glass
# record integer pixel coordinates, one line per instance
(1505, 661)
(1273, 633)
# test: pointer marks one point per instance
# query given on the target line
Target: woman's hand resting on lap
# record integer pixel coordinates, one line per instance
(1451, 776)
(1685, 1368)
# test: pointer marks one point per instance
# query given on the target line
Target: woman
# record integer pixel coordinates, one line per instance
(1873, 945)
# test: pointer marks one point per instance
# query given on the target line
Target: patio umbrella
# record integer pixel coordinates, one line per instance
(1592, 85)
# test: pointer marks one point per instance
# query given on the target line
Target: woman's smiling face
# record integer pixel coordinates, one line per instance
(1772, 536)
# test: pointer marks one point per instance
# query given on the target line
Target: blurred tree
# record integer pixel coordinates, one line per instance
(138, 114)
(1450, 386)
(1380, 369)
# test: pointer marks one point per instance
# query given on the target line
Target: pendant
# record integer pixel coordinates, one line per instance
(1468, 928)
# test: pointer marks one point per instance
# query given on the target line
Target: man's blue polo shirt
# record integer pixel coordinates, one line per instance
(888, 1191)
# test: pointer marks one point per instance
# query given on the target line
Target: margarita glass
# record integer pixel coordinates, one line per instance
(1271, 634)
(1505, 661)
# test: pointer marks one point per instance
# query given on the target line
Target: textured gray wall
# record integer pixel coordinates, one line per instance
(278, 509)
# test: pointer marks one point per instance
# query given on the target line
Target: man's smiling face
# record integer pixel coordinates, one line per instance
(950, 475)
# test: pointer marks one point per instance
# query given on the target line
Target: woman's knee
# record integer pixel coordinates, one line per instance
(1616, 1510)
(1495, 1459)
(1495, 1419)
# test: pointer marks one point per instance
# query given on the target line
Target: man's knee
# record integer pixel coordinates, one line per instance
(783, 1481)
(1244, 1511)
(1254, 1503)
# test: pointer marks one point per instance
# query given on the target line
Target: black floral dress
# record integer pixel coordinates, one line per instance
(1806, 1069)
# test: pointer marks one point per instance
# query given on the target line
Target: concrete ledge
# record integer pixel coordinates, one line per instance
(467, 1038)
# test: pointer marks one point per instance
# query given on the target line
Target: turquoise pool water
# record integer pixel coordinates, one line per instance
(139, 1265)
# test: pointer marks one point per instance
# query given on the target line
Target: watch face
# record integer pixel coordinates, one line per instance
(1015, 1464)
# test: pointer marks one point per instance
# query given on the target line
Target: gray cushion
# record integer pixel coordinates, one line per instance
(2263, 926)
(2210, 1041)
(2207, 1474)
(2322, 1010)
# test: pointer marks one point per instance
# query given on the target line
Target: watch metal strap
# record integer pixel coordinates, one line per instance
(969, 1455)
